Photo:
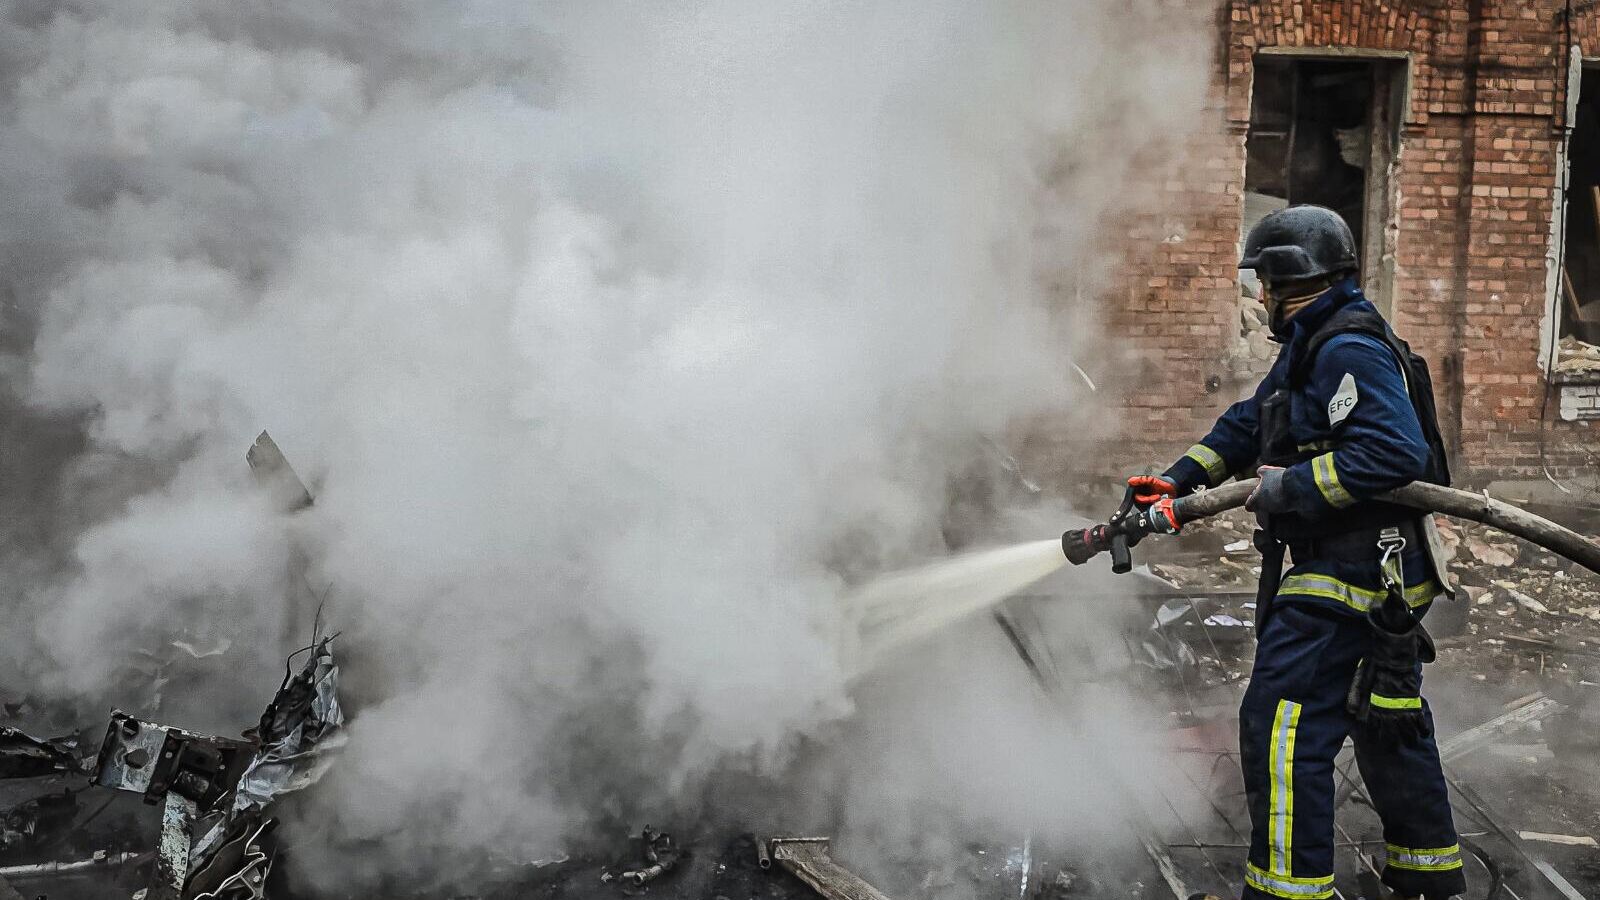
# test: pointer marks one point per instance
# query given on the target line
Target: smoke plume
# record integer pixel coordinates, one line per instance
(612, 339)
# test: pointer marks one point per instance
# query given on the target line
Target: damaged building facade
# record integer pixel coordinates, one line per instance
(1461, 139)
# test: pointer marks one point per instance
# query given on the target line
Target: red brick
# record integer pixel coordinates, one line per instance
(1475, 202)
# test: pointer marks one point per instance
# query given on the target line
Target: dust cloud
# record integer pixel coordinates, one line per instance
(614, 341)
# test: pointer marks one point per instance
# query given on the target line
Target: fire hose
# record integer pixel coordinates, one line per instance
(1130, 525)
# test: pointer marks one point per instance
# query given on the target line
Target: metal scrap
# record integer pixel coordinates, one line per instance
(187, 772)
(1474, 738)
(808, 860)
(272, 469)
(153, 760)
(240, 866)
(293, 731)
(38, 820)
(1164, 865)
(297, 730)
(25, 756)
(100, 860)
(172, 852)
(660, 854)
(1557, 880)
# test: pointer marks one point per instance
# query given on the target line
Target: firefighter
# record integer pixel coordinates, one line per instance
(1345, 413)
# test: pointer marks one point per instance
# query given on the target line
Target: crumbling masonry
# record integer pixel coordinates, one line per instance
(1460, 119)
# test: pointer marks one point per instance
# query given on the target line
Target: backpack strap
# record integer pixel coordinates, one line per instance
(1413, 371)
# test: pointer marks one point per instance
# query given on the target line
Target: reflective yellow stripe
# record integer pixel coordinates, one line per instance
(1438, 859)
(1280, 809)
(1207, 458)
(1358, 599)
(1327, 479)
(1396, 702)
(1288, 886)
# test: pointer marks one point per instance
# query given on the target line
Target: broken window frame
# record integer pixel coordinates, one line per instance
(1380, 227)
(1555, 320)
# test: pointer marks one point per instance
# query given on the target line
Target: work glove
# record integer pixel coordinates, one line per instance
(1271, 495)
(1147, 489)
(1162, 517)
(1386, 694)
(1153, 495)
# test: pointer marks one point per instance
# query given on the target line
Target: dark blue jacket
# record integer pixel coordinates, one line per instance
(1358, 435)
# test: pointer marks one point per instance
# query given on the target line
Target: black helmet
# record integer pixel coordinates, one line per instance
(1300, 243)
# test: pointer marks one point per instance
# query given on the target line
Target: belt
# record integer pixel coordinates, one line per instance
(1359, 545)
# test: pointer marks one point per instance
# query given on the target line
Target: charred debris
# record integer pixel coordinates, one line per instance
(131, 807)
(214, 838)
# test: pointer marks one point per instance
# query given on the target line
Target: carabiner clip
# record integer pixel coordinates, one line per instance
(1392, 543)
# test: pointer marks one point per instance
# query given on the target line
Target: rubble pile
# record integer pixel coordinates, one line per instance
(1252, 354)
(1575, 357)
(214, 837)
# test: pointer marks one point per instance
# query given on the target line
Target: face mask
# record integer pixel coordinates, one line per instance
(1283, 302)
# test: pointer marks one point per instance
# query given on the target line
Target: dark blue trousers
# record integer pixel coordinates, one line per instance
(1291, 725)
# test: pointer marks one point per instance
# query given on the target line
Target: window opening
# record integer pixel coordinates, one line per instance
(1325, 131)
(1579, 348)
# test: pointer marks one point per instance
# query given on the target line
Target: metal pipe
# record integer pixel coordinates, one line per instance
(650, 873)
(37, 870)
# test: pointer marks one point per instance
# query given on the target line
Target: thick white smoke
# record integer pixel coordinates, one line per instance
(612, 339)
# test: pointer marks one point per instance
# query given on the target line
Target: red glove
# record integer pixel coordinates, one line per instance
(1163, 518)
(1147, 489)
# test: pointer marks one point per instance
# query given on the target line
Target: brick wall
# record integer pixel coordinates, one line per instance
(1475, 186)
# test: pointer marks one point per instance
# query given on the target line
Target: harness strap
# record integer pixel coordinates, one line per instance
(1271, 574)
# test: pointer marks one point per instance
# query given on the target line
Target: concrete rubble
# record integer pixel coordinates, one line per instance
(1574, 356)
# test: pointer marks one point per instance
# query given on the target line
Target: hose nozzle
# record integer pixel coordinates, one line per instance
(1084, 544)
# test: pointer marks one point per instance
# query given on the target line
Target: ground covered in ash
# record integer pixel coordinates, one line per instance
(716, 866)
(725, 866)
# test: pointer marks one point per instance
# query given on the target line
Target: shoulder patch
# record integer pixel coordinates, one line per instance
(1344, 400)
